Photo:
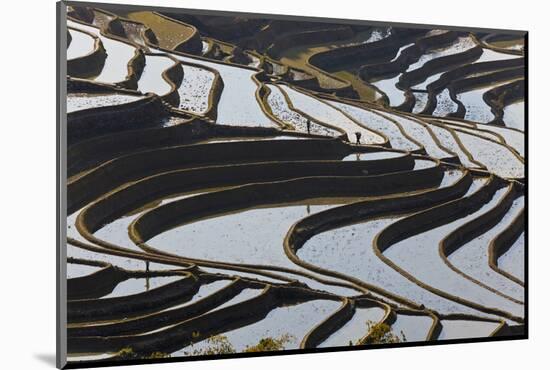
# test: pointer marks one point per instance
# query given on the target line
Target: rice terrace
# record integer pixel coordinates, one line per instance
(243, 184)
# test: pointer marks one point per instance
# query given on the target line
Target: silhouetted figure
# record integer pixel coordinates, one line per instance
(147, 286)
(357, 137)
(308, 124)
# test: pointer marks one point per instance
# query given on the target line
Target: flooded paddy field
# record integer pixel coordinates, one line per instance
(83, 44)
(118, 53)
(288, 187)
(81, 101)
(151, 79)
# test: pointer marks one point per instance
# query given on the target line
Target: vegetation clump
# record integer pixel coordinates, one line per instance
(128, 353)
(220, 345)
(381, 333)
(217, 345)
(270, 344)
